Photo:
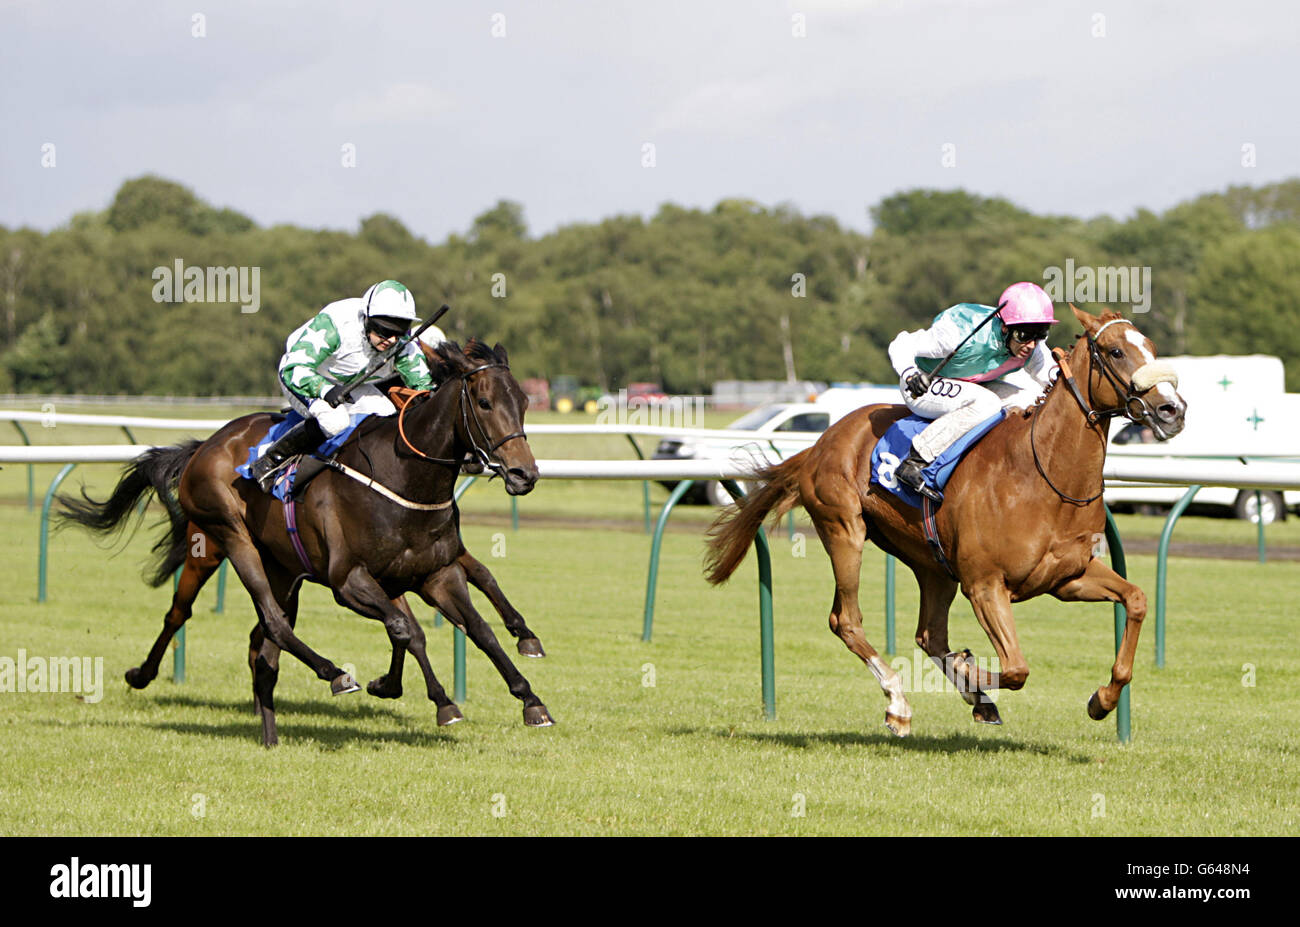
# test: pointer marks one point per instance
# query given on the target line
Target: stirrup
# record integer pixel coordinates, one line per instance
(300, 439)
(909, 474)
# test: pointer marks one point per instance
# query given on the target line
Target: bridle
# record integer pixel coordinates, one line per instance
(1094, 417)
(467, 414)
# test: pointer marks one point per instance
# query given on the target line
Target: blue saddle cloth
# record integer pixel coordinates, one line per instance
(891, 449)
(283, 480)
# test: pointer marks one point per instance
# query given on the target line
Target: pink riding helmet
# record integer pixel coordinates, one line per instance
(1025, 302)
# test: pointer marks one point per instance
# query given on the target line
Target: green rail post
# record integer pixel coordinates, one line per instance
(45, 531)
(1162, 569)
(1259, 522)
(221, 587)
(31, 491)
(766, 643)
(889, 605)
(458, 663)
(656, 540)
(645, 484)
(458, 636)
(178, 642)
(1123, 723)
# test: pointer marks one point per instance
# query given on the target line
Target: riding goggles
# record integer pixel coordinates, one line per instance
(1027, 333)
(386, 327)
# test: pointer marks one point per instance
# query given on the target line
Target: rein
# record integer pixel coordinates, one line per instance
(483, 455)
(1092, 416)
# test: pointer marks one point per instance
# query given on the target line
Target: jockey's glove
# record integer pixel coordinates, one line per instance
(917, 382)
(331, 420)
(334, 396)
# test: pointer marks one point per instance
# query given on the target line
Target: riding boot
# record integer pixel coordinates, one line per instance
(909, 474)
(308, 467)
(301, 438)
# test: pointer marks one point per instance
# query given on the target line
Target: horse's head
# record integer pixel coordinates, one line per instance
(1124, 375)
(490, 421)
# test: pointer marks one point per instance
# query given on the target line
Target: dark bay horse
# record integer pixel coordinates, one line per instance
(369, 549)
(1021, 517)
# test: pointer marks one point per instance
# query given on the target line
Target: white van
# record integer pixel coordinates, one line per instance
(778, 430)
(1236, 407)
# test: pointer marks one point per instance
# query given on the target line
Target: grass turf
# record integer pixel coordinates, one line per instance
(689, 754)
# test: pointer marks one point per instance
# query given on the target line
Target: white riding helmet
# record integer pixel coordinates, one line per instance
(389, 300)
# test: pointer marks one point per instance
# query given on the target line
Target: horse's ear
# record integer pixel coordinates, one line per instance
(500, 351)
(1089, 321)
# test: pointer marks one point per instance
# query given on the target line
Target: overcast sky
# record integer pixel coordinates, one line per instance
(1079, 108)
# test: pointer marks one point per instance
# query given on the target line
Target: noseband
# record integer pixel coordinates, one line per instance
(482, 455)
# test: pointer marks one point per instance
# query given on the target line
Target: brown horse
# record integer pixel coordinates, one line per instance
(1021, 517)
(367, 548)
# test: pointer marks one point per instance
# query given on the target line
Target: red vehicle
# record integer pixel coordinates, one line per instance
(649, 392)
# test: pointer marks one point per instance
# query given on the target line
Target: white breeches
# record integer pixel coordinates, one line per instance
(366, 400)
(957, 406)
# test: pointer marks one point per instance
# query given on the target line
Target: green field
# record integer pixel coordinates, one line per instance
(690, 754)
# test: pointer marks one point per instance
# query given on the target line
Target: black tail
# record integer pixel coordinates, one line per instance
(157, 469)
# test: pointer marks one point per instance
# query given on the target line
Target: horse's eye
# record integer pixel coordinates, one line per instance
(484, 404)
(1116, 353)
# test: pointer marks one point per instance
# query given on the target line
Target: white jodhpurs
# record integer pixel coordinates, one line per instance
(957, 406)
(366, 400)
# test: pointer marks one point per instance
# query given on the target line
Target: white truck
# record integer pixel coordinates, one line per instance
(778, 430)
(1237, 406)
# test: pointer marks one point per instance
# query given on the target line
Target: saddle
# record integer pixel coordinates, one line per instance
(893, 448)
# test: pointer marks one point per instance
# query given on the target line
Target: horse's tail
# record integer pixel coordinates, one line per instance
(158, 470)
(733, 530)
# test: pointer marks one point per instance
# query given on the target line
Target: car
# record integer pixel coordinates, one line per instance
(1236, 407)
(772, 433)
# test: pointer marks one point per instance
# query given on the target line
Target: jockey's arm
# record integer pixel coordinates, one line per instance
(939, 340)
(412, 367)
(298, 366)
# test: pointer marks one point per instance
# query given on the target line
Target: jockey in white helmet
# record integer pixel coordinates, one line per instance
(335, 345)
(970, 389)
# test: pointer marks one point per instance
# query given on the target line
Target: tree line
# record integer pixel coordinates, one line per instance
(683, 298)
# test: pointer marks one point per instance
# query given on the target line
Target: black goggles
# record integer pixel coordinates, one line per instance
(1027, 333)
(387, 328)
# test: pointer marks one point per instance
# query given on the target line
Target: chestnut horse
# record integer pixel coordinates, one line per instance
(1021, 516)
(368, 549)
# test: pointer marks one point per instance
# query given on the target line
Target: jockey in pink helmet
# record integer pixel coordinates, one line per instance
(975, 351)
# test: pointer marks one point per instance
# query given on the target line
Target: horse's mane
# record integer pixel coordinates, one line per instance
(447, 358)
(1107, 315)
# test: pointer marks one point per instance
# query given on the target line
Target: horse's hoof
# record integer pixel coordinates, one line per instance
(379, 688)
(449, 714)
(538, 716)
(986, 713)
(900, 727)
(342, 684)
(531, 647)
(135, 679)
(1095, 711)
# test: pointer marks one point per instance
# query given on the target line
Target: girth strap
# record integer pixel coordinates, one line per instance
(291, 521)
